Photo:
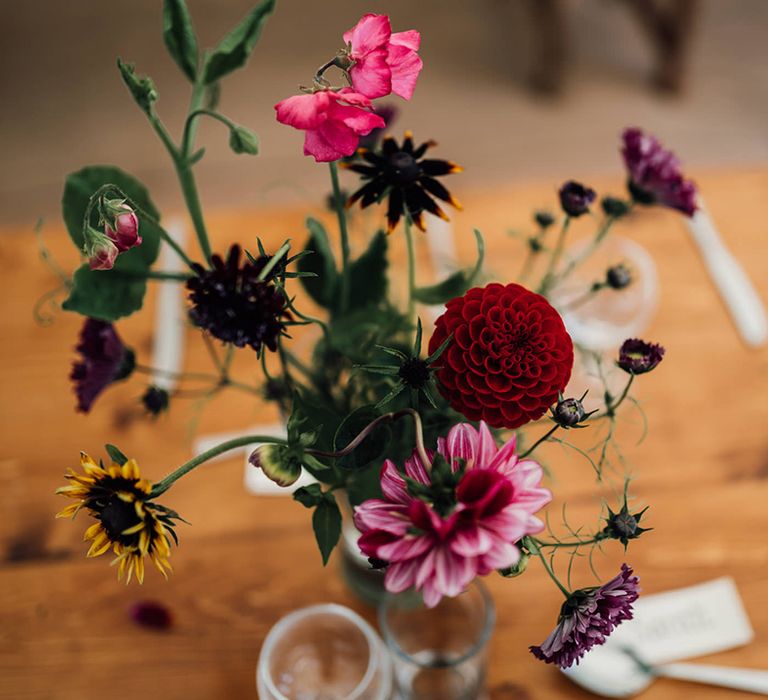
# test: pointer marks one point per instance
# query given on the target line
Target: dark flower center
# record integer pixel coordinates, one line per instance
(403, 169)
(117, 516)
(624, 524)
(414, 372)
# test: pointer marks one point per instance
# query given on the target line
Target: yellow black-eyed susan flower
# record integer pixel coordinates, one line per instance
(127, 521)
(401, 174)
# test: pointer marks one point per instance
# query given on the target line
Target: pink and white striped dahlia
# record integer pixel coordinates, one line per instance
(440, 555)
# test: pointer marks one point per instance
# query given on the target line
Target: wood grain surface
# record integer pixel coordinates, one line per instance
(245, 561)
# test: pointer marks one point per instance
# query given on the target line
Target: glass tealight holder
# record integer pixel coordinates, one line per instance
(324, 652)
(439, 653)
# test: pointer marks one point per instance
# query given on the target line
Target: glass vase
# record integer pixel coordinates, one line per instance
(439, 653)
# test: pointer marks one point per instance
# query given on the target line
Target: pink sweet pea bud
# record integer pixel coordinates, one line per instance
(102, 254)
(122, 226)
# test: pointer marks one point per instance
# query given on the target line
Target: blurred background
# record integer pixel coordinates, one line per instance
(513, 89)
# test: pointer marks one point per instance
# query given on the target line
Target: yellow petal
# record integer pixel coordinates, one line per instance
(71, 509)
(140, 570)
(133, 529)
(100, 545)
(126, 496)
(92, 531)
(131, 469)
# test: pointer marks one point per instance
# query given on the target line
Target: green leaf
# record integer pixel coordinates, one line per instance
(179, 36)
(234, 49)
(371, 449)
(321, 262)
(308, 414)
(326, 522)
(454, 285)
(309, 496)
(115, 454)
(109, 294)
(105, 295)
(242, 140)
(364, 484)
(368, 274)
(141, 88)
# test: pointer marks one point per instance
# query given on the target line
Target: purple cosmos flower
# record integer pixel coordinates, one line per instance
(638, 357)
(104, 360)
(587, 618)
(575, 198)
(654, 173)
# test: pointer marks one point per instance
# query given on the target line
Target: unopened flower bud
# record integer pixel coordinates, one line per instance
(122, 227)
(568, 413)
(544, 219)
(517, 569)
(575, 198)
(102, 254)
(414, 372)
(155, 400)
(618, 276)
(614, 207)
(624, 526)
(278, 462)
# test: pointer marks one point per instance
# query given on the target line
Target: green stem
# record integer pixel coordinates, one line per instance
(602, 232)
(281, 252)
(162, 486)
(344, 235)
(192, 200)
(539, 441)
(160, 275)
(611, 406)
(599, 537)
(175, 246)
(548, 280)
(532, 545)
(411, 267)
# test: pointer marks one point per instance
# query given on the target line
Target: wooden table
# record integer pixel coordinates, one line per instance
(246, 560)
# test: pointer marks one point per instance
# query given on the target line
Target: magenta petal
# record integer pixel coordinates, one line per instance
(371, 75)
(415, 469)
(331, 141)
(486, 446)
(350, 97)
(393, 484)
(411, 39)
(405, 65)
(376, 514)
(431, 594)
(462, 442)
(360, 121)
(370, 33)
(471, 541)
(303, 111)
(501, 555)
(407, 547)
(401, 576)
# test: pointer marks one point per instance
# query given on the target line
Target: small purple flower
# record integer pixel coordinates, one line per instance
(148, 613)
(575, 198)
(104, 360)
(638, 357)
(587, 617)
(654, 173)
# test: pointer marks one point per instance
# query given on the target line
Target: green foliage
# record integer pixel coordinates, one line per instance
(308, 496)
(326, 522)
(368, 273)
(235, 48)
(141, 88)
(242, 140)
(110, 294)
(454, 285)
(115, 454)
(371, 449)
(179, 36)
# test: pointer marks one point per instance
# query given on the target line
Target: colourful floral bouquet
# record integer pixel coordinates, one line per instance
(421, 438)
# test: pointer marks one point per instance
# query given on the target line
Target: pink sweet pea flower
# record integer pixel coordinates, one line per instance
(102, 254)
(333, 121)
(125, 235)
(384, 62)
(440, 555)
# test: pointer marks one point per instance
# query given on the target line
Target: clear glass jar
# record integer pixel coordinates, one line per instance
(323, 652)
(439, 653)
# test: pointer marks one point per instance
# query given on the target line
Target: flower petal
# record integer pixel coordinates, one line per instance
(405, 65)
(370, 33)
(303, 111)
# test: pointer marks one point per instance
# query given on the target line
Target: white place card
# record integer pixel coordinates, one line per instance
(685, 623)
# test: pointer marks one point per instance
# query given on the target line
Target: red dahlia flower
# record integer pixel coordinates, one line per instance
(509, 358)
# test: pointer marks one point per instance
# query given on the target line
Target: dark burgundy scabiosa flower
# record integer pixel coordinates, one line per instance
(654, 173)
(638, 357)
(407, 179)
(510, 356)
(587, 617)
(232, 304)
(575, 198)
(618, 276)
(104, 360)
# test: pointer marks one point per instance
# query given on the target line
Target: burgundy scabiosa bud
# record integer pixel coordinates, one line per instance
(104, 360)
(568, 413)
(614, 207)
(638, 357)
(155, 400)
(618, 276)
(654, 173)
(544, 219)
(121, 225)
(587, 617)
(149, 613)
(576, 198)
